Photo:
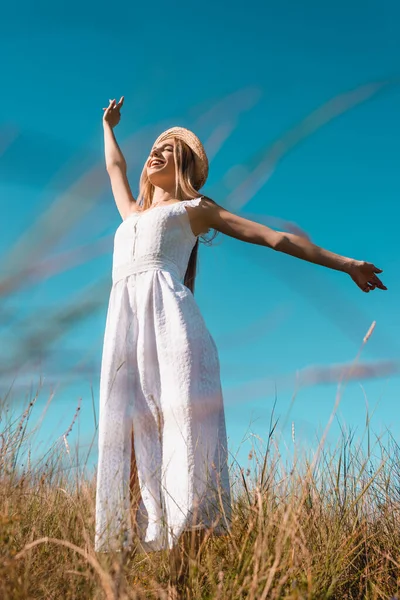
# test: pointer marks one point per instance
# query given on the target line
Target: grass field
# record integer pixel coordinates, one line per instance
(325, 525)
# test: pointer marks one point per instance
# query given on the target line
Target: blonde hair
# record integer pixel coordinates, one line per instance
(184, 190)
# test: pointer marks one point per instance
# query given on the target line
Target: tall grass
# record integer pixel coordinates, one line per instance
(323, 525)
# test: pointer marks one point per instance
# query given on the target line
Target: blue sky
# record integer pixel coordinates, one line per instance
(241, 78)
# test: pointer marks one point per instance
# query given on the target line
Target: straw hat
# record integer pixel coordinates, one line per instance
(196, 146)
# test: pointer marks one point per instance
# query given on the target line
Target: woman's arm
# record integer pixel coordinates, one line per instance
(300, 247)
(115, 162)
(112, 152)
(214, 216)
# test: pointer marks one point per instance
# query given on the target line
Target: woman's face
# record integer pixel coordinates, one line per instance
(161, 164)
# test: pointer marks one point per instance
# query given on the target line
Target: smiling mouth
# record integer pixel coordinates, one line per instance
(156, 163)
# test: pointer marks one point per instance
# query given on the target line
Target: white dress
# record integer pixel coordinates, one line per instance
(160, 375)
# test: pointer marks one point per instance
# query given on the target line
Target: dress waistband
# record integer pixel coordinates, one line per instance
(141, 265)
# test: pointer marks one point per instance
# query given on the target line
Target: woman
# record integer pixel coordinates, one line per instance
(160, 368)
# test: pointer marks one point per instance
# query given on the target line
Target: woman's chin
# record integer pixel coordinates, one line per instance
(158, 180)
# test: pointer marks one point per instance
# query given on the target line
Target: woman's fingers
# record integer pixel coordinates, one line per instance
(115, 104)
(109, 106)
(372, 285)
(112, 111)
(376, 280)
(378, 283)
(373, 280)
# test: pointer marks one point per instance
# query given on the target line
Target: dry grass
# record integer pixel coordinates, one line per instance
(323, 527)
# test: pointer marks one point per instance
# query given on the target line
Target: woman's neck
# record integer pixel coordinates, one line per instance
(161, 196)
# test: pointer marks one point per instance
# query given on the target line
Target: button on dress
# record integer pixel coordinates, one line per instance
(160, 374)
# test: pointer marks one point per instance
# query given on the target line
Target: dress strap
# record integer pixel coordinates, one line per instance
(193, 202)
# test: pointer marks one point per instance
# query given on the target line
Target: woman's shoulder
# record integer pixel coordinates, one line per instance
(201, 211)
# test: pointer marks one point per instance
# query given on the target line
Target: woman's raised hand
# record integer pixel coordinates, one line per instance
(112, 113)
(364, 275)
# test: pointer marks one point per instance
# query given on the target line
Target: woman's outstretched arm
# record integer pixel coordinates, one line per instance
(115, 161)
(214, 216)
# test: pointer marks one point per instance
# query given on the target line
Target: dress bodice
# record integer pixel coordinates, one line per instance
(157, 238)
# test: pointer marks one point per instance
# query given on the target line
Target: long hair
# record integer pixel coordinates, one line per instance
(184, 190)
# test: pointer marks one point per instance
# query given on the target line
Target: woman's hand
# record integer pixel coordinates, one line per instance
(112, 114)
(364, 275)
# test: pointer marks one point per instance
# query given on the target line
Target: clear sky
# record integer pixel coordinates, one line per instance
(243, 78)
